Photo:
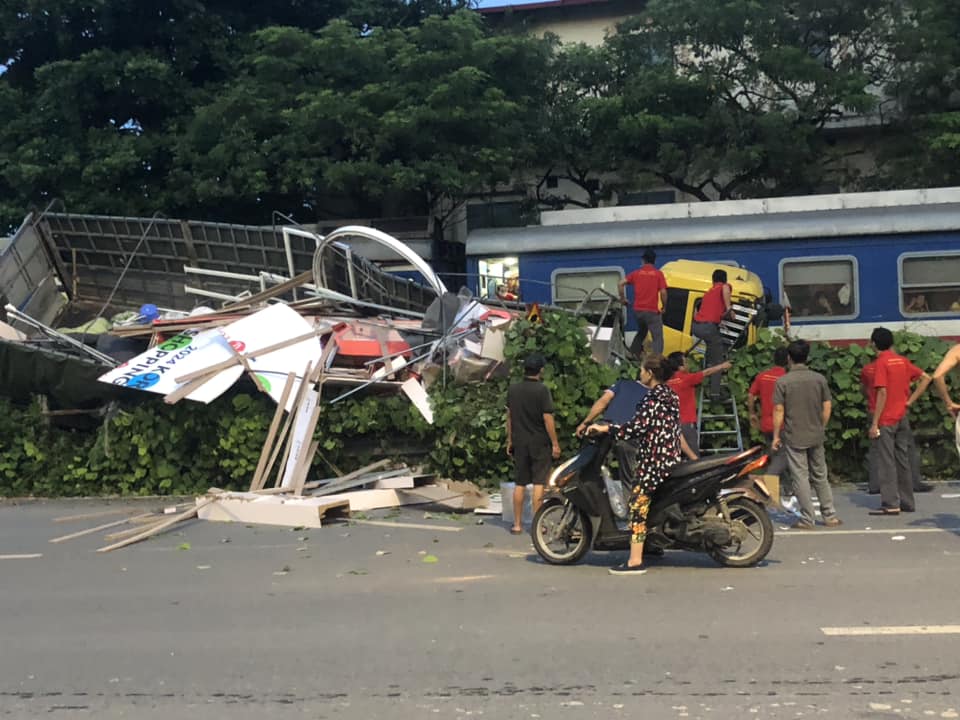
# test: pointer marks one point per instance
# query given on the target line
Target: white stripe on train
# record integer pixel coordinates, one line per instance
(853, 332)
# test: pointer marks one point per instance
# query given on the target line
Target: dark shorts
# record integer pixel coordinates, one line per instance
(533, 464)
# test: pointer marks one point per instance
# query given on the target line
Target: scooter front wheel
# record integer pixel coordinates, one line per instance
(561, 533)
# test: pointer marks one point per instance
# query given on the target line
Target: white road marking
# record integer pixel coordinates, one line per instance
(892, 630)
(873, 531)
(24, 556)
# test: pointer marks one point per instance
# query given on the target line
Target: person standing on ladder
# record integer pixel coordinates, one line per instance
(649, 303)
(714, 307)
(683, 383)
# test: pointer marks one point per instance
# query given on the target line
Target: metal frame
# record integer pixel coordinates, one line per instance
(855, 291)
(388, 241)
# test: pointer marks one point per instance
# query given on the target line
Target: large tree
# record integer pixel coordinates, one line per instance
(337, 122)
(97, 94)
(729, 98)
(922, 148)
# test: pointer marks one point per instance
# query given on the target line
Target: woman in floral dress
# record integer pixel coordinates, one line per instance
(655, 430)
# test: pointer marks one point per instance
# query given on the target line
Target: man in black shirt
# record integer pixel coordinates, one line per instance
(531, 436)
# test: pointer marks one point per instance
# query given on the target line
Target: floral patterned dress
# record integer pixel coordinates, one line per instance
(655, 431)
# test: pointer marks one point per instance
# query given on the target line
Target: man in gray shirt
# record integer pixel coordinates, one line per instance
(801, 410)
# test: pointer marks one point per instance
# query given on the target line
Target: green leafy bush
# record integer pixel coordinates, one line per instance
(847, 440)
(151, 448)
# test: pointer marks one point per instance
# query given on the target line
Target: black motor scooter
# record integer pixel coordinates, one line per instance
(711, 505)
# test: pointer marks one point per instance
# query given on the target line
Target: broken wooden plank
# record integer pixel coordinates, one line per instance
(98, 528)
(93, 515)
(257, 482)
(151, 531)
(282, 445)
(340, 483)
(292, 284)
(300, 474)
(258, 509)
(403, 481)
(362, 500)
(129, 531)
(240, 357)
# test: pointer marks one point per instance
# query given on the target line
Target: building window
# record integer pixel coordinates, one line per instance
(820, 288)
(653, 197)
(495, 215)
(929, 284)
(570, 287)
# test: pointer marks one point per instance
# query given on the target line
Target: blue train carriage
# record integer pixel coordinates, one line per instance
(842, 264)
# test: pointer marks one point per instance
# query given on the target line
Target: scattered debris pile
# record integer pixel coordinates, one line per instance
(369, 488)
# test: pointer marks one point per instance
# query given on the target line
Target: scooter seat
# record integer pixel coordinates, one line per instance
(690, 467)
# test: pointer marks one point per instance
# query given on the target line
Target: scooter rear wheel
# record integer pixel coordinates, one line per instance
(561, 533)
(755, 522)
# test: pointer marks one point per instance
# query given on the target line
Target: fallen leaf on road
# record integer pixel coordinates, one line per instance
(183, 546)
(430, 559)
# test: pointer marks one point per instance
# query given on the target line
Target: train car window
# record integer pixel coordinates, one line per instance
(675, 314)
(571, 286)
(929, 284)
(820, 287)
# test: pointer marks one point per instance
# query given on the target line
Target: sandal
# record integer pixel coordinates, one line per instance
(885, 511)
(516, 531)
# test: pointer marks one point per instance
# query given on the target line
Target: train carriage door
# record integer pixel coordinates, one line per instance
(499, 279)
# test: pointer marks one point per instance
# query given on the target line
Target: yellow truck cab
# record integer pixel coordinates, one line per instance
(687, 282)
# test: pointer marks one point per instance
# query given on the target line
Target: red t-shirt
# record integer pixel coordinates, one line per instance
(867, 377)
(762, 387)
(895, 373)
(683, 384)
(647, 283)
(712, 308)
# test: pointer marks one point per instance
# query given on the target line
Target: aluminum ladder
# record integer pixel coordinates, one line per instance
(733, 331)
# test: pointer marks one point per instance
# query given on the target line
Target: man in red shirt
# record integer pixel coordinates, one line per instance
(890, 428)
(649, 302)
(683, 383)
(706, 324)
(762, 389)
(867, 376)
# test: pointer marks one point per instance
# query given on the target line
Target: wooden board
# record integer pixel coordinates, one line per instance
(404, 482)
(98, 528)
(362, 500)
(256, 509)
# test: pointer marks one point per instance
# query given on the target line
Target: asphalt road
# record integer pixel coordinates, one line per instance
(356, 622)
